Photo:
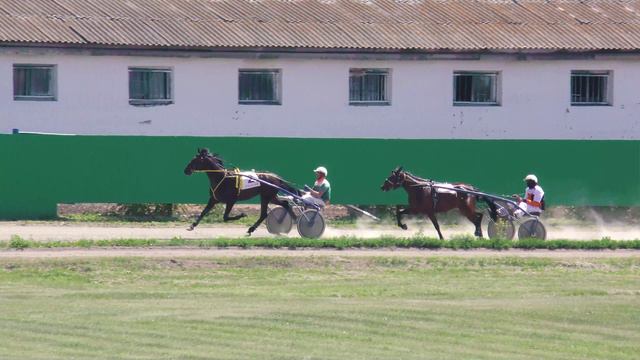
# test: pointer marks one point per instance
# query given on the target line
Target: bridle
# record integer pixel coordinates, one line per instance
(400, 177)
(234, 174)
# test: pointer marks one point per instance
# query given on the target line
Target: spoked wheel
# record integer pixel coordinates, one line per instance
(311, 224)
(279, 221)
(502, 229)
(532, 228)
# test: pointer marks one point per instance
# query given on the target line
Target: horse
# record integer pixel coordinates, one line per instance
(424, 198)
(224, 187)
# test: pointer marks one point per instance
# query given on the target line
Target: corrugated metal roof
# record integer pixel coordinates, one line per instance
(429, 25)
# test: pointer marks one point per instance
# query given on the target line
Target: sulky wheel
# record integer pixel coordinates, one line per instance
(532, 228)
(311, 224)
(279, 221)
(502, 229)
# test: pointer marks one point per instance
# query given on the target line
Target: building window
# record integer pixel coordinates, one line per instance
(150, 86)
(590, 88)
(369, 87)
(475, 88)
(259, 87)
(34, 82)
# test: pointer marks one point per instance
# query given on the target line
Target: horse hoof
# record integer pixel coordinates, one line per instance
(190, 228)
(404, 227)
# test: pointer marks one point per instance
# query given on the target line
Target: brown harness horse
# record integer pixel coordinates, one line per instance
(224, 187)
(424, 198)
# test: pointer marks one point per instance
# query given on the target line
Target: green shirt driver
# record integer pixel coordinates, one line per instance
(320, 193)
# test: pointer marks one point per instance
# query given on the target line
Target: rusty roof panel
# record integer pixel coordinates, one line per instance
(430, 25)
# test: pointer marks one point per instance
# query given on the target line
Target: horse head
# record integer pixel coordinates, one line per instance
(395, 180)
(204, 160)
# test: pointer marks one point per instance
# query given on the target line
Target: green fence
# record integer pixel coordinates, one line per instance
(39, 171)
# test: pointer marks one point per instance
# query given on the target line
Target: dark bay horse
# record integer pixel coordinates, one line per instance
(426, 199)
(223, 188)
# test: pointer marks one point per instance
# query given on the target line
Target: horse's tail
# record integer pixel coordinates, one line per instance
(285, 185)
(493, 211)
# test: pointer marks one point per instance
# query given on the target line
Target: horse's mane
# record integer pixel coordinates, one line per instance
(416, 178)
(216, 159)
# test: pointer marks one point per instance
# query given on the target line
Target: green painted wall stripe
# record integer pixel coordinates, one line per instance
(40, 170)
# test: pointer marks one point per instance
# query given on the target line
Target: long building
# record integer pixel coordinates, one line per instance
(552, 72)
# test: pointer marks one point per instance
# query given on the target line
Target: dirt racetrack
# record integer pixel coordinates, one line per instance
(61, 231)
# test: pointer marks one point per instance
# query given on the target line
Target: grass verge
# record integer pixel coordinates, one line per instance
(418, 242)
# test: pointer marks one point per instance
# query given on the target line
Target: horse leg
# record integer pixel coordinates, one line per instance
(434, 220)
(227, 211)
(476, 216)
(477, 221)
(204, 212)
(399, 214)
(264, 206)
(467, 208)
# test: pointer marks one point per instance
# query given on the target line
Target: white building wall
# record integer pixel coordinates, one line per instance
(535, 100)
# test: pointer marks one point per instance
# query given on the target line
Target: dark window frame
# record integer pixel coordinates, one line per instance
(587, 76)
(495, 91)
(53, 82)
(356, 96)
(168, 90)
(276, 90)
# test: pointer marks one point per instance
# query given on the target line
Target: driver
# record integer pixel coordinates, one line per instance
(320, 193)
(533, 196)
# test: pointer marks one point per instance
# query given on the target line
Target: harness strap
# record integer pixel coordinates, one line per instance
(434, 197)
(237, 172)
(236, 175)
(213, 191)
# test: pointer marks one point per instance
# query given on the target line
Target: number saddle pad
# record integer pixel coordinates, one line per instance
(443, 188)
(247, 180)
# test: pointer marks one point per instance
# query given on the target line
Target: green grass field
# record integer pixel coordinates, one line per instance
(320, 308)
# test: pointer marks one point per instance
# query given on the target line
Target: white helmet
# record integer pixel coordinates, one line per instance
(321, 169)
(531, 177)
